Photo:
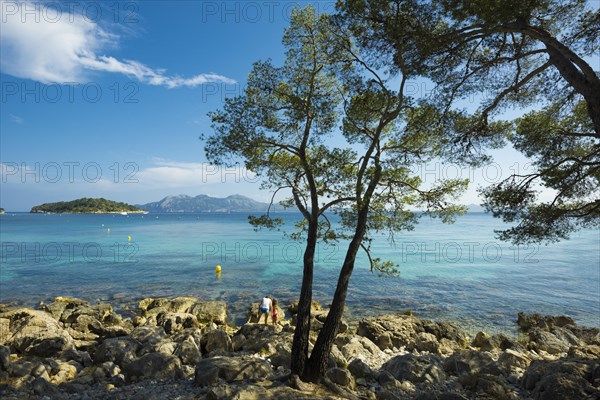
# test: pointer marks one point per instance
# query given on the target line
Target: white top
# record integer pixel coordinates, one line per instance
(266, 303)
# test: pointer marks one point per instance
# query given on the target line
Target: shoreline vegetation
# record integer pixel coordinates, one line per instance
(172, 204)
(184, 348)
(87, 206)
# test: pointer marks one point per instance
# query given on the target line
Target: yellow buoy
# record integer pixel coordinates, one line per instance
(108, 230)
(102, 224)
(218, 269)
(129, 238)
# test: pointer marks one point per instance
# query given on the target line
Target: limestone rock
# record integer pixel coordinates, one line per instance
(188, 351)
(210, 311)
(217, 340)
(493, 386)
(149, 335)
(416, 369)
(341, 376)
(60, 304)
(564, 386)
(314, 306)
(565, 335)
(364, 349)
(485, 342)
(204, 311)
(42, 387)
(65, 372)
(398, 330)
(121, 351)
(176, 322)
(591, 352)
(387, 380)
(467, 361)
(4, 358)
(22, 367)
(79, 316)
(541, 369)
(274, 392)
(237, 342)
(337, 357)
(80, 357)
(166, 347)
(5, 333)
(586, 334)
(318, 318)
(510, 359)
(110, 369)
(447, 346)
(219, 392)
(546, 341)
(235, 368)
(185, 334)
(206, 376)
(259, 337)
(360, 369)
(283, 356)
(433, 395)
(177, 304)
(157, 366)
(427, 342)
(36, 333)
(544, 322)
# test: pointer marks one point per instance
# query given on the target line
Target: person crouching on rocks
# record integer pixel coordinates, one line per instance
(274, 314)
(265, 307)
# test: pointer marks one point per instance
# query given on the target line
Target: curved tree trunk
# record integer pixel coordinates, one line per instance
(317, 364)
(575, 70)
(588, 88)
(301, 333)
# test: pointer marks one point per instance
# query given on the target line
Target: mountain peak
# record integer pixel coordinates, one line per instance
(205, 203)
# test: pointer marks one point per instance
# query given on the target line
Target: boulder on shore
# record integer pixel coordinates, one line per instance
(35, 333)
(157, 366)
(396, 331)
(416, 369)
(563, 379)
(231, 369)
(72, 348)
(205, 312)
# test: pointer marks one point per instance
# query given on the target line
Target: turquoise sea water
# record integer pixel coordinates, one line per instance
(456, 272)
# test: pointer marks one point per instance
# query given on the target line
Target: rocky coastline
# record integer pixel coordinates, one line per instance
(183, 348)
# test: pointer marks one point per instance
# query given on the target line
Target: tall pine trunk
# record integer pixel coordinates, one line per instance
(302, 331)
(588, 87)
(317, 364)
(575, 70)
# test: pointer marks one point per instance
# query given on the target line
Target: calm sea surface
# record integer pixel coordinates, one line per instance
(454, 272)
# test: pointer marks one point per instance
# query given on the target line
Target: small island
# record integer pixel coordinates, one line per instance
(1, 210)
(87, 206)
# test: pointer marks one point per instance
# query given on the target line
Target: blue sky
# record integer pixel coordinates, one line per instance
(148, 73)
(109, 98)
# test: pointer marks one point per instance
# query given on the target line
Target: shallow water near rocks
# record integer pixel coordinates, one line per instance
(456, 272)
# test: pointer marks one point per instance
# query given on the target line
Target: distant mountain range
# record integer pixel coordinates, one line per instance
(234, 203)
(204, 203)
(475, 208)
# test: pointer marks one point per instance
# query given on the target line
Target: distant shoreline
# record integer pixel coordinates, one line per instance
(87, 213)
(183, 212)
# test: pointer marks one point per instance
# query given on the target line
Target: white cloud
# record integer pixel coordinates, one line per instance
(16, 118)
(67, 49)
(177, 174)
(161, 174)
